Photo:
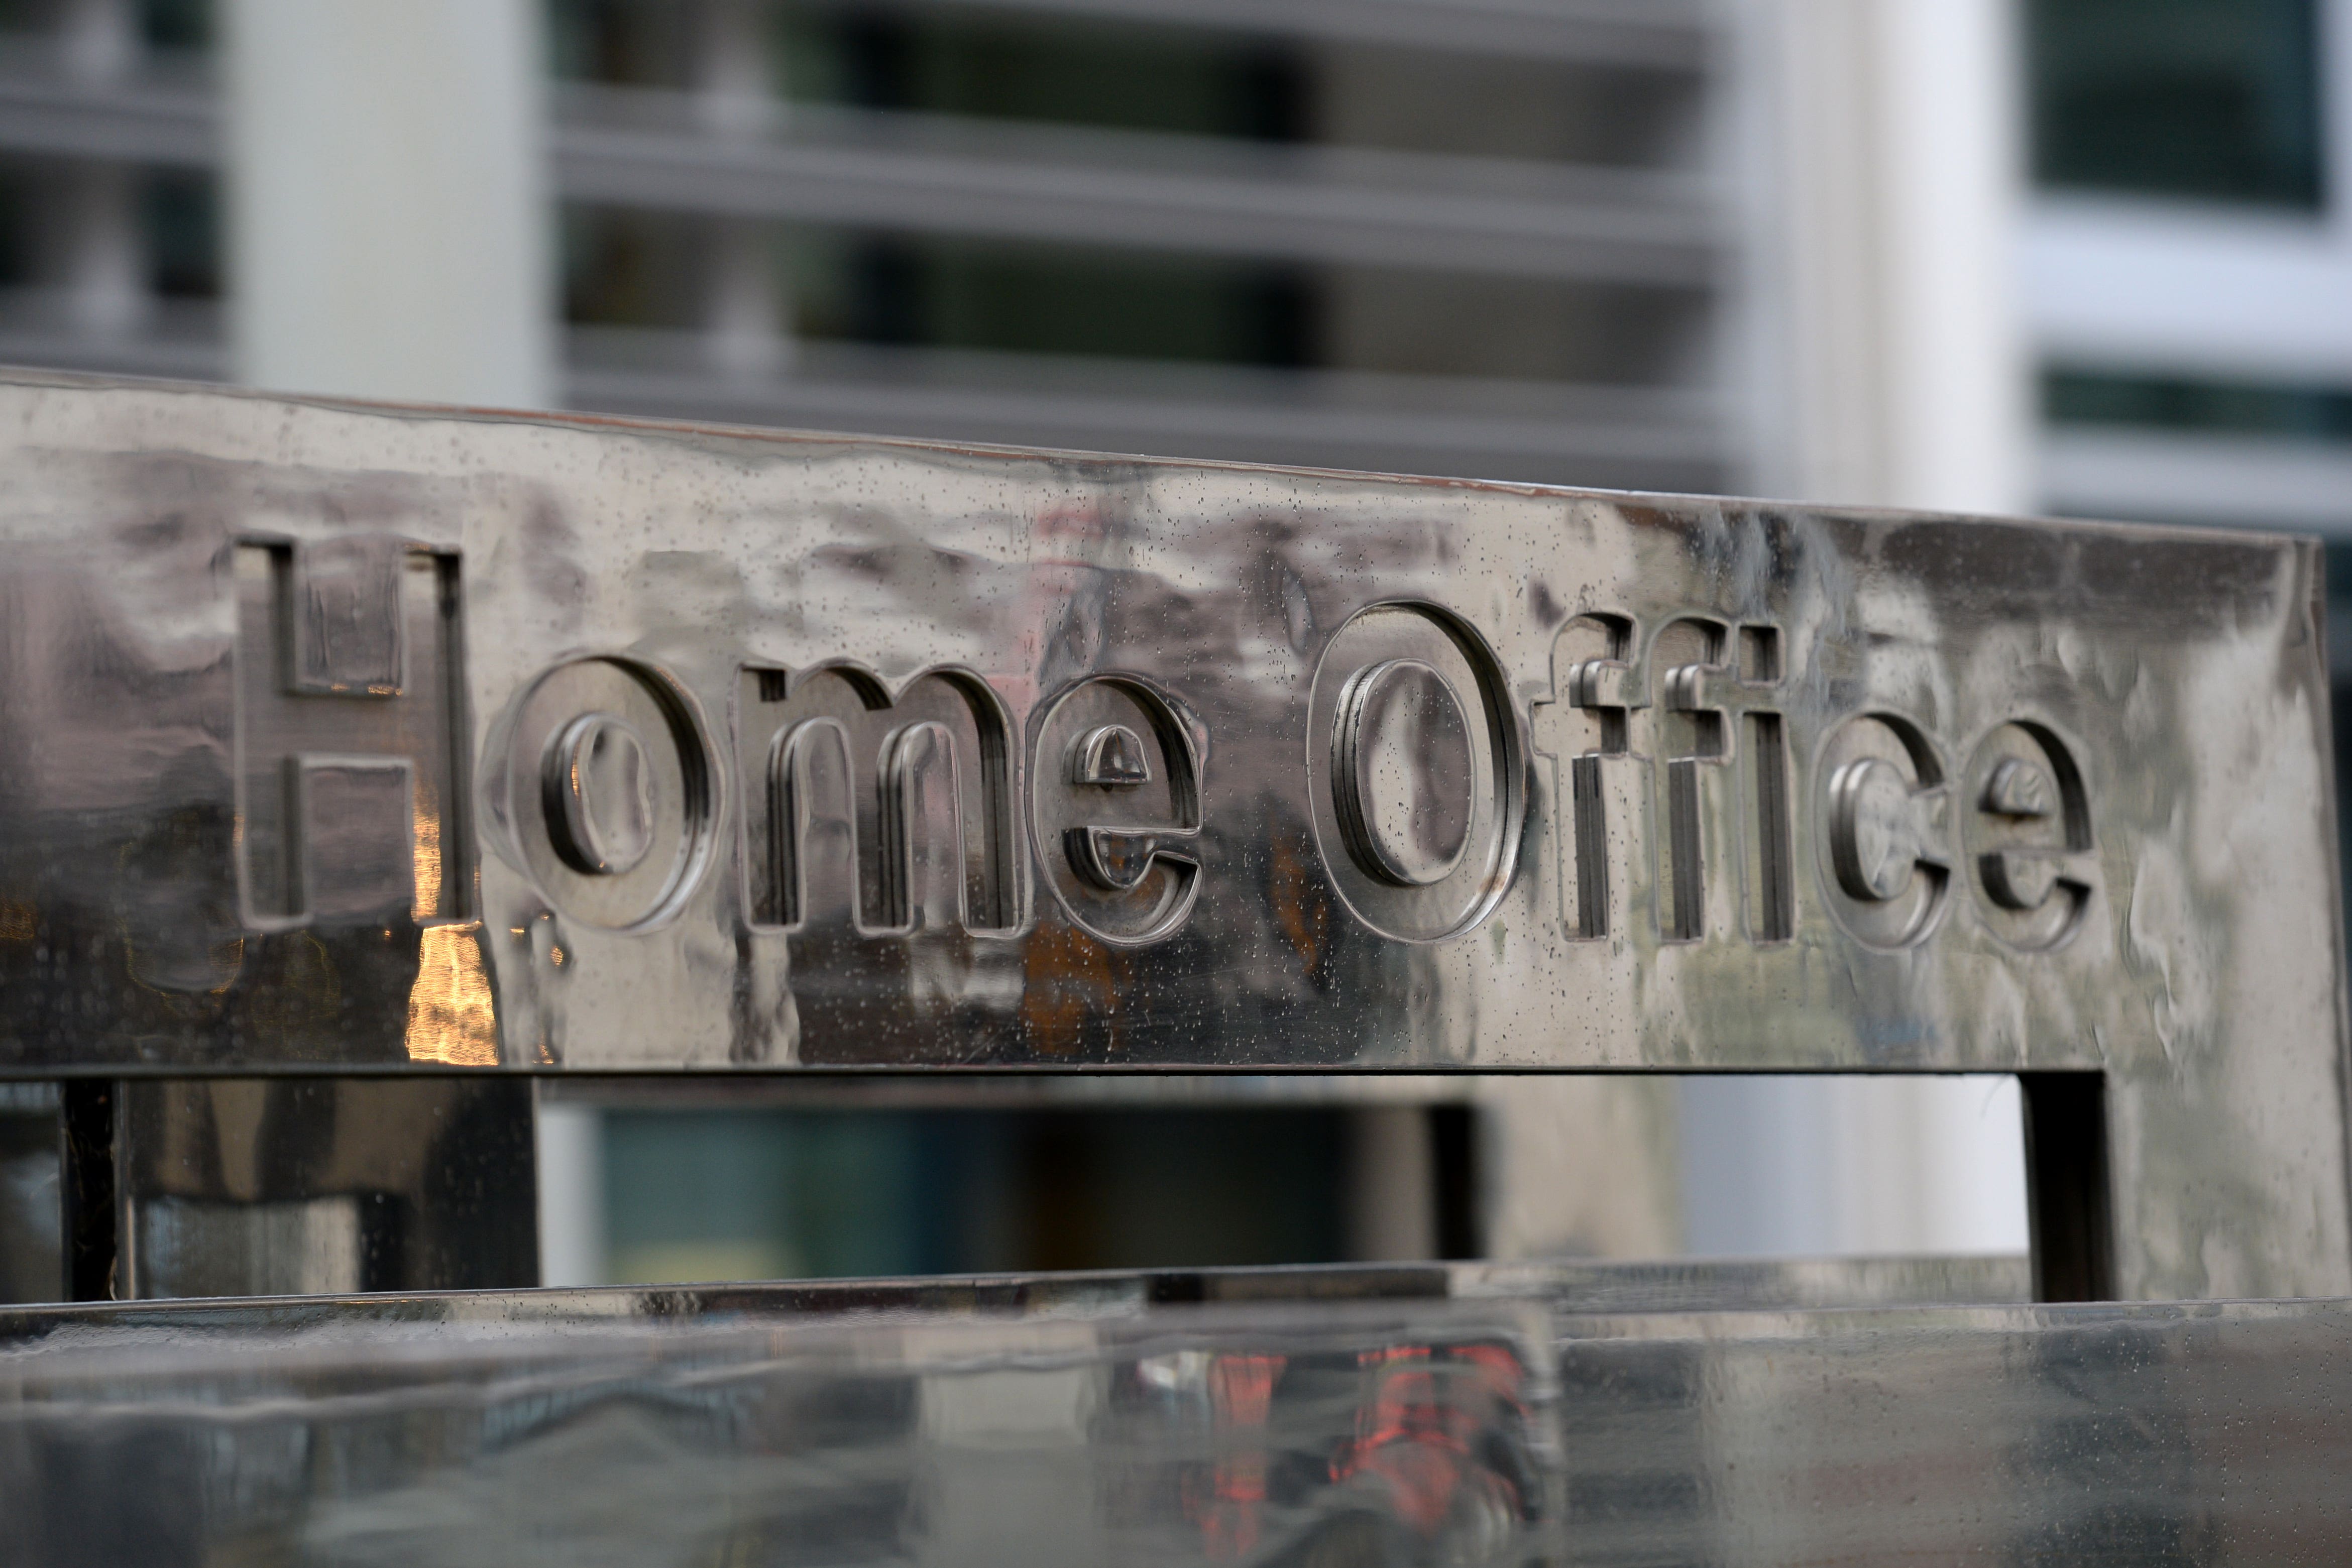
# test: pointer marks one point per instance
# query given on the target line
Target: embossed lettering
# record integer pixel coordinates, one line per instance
(607, 790)
(1415, 770)
(2028, 834)
(351, 791)
(1116, 804)
(1685, 732)
(1886, 829)
(888, 811)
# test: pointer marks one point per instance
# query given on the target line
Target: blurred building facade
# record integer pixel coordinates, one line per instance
(2073, 254)
(1489, 239)
(1560, 241)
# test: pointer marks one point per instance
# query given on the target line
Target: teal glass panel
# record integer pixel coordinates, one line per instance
(2215, 99)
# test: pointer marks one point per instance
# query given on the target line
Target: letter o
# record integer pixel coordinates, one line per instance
(1415, 772)
(605, 790)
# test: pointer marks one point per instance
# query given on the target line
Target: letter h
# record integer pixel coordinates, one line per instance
(353, 804)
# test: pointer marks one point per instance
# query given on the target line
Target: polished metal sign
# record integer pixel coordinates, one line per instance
(374, 739)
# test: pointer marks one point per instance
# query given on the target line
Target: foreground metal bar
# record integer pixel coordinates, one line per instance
(1340, 1428)
(1676, 1285)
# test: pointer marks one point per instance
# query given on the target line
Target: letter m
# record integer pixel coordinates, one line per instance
(888, 811)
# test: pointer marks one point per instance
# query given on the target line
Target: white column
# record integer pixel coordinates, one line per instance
(1957, 382)
(102, 253)
(1886, 175)
(1889, 368)
(388, 232)
(101, 256)
(572, 1244)
(743, 306)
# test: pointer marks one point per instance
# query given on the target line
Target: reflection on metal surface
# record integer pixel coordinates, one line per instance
(31, 1249)
(1682, 731)
(1276, 1416)
(247, 1186)
(601, 795)
(1340, 1436)
(452, 1018)
(886, 812)
(1110, 757)
(291, 1247)
(2211, 1435)
(946, 757)
(1402, 770)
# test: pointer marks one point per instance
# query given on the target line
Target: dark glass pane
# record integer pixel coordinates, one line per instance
(2206, 98)
(1070, 70)
(768, 1195)
(2082, 397)
(629, 268)
(625, 43)
(177, 24)
(19, 226)
(183, 235)
(32, 1263)
(1067, 72)
(950, 294)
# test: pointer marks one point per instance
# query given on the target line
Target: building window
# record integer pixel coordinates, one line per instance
(2308, 413)
(750, 1192)
(2206, 99)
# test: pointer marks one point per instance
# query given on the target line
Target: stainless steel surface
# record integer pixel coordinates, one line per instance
(1419, 1428)
(1727, 772)
(2206, 1434)
(1671, 1285)
(313, 1187)
(1037, 1440)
